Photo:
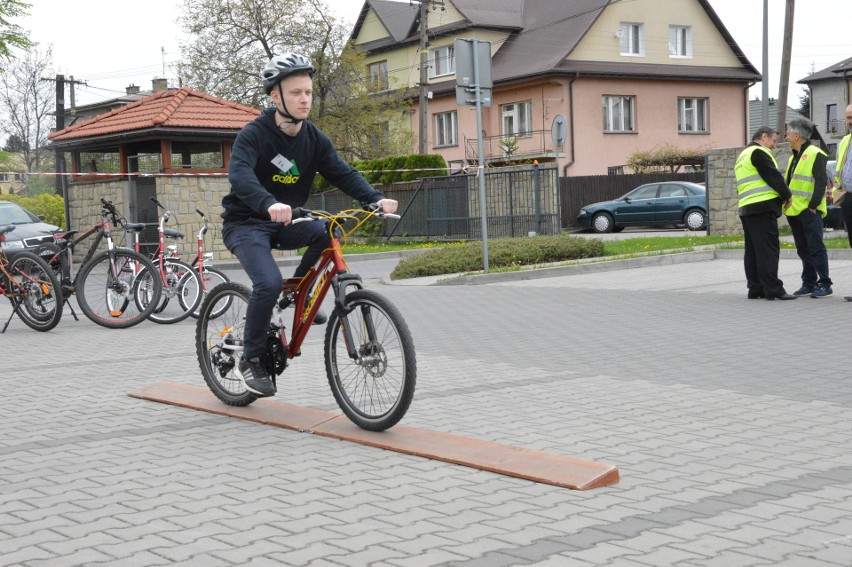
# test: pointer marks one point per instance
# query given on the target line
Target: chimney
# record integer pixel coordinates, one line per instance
(158, 85)
(131, 89)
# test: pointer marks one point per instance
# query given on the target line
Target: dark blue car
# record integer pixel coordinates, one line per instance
(667, 203)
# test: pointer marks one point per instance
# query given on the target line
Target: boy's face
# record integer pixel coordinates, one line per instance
(298, 95)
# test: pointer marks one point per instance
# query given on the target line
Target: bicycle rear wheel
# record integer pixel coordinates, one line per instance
(35, 292)
(211, 278)
(375, 386)
(181, 291)
(105, 288)
(219, 342)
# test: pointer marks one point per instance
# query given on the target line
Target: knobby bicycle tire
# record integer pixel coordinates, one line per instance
(55, 257)
(105, 290)
(181, 291)
(219, 342)
(35, 291)
(212, 277)
(376, 388)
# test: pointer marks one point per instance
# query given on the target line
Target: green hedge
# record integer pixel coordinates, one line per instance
(502, 253)
(51, 206)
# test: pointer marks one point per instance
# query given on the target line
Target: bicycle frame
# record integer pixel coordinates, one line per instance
(103, 230)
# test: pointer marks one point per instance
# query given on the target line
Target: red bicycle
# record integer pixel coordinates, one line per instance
(369, 352)
(31, 286)
(203, 263)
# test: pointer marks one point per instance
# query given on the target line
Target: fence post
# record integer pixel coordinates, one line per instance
(537, 176)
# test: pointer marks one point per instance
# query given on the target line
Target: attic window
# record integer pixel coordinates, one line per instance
(197, 155)
(632, 36)
(443, 61)
(680, 41)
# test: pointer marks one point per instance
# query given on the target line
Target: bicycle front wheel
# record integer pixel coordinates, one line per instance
(181, 291)
(210, 279)
(35, 292)
(106, 287)
(374, 383)
(219, 342)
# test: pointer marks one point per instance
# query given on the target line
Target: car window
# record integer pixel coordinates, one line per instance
(646, 192)
(670, 190)
(12, 214)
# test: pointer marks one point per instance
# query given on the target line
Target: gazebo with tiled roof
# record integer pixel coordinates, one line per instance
(174, 145)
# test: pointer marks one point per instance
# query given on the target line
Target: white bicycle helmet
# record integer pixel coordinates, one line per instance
(282, 65)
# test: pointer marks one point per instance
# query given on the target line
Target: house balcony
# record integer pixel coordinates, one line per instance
(535, 145)
(835, 129)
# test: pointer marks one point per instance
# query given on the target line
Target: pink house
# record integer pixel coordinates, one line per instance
(627, 77)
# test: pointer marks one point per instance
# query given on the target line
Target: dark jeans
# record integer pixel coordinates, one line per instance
(252, 242)
(807, 234)
(762, 250)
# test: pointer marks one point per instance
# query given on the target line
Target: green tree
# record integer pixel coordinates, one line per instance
(11, 35)
(15, 144)
(805, 103)
(231, 41)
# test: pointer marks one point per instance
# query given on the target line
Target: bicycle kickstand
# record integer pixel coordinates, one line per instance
(65, 302)
(14, 310)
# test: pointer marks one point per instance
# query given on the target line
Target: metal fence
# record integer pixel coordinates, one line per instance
(519, 201)
(577, 192)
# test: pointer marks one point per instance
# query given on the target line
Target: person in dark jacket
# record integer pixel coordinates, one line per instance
(274, 161)
(762, 192)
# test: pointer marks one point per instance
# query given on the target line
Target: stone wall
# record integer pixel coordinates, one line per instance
(722, 195)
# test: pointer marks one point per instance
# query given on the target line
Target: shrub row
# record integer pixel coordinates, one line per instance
(502, 253)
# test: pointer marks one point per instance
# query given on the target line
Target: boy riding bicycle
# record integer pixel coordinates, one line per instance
(274, 161)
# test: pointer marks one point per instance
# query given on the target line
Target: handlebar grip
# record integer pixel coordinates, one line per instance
(299, 212)
(199, 212)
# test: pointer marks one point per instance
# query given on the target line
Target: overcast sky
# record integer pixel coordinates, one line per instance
(110, 48)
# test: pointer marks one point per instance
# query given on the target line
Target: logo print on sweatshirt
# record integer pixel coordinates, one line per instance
(289, 177)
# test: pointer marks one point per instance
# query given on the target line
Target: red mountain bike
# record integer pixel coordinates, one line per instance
(31, 286)
(369, 352)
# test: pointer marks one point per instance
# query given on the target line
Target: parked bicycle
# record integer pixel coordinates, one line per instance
(203, 264)
(31, 286)
(104, 285)
(369, 352)
(181, 284)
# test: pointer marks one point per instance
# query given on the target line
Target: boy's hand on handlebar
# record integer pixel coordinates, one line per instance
(279, 212)
(387, 205)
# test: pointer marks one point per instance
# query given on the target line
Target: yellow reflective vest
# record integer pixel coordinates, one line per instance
(802, 182)
(751, 187)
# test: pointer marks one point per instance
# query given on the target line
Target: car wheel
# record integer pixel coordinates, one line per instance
(602, 222)
(694, 219)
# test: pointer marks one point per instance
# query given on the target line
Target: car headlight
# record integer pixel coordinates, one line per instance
(584, 212)
(13, 245)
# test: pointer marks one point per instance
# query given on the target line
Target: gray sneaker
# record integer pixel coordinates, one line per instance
(255, 378)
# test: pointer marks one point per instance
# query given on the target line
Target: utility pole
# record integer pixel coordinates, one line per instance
(424, 79)
(764, 115)
(781, 123)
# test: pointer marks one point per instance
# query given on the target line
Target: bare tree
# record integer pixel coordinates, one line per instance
(26, 102)
(231, 40)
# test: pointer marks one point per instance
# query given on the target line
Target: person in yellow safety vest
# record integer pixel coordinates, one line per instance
(843, 177)
(807, 180)
(762, 191)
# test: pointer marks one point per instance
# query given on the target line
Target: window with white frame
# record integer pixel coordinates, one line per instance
(680, 41)
(619, 114)
(632, 37)
(692, 115)
(443, 61)
(445, 129)
(517, 119)
(377, 74)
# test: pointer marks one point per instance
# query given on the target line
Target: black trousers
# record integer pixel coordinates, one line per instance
(762, 251)
(846, 209)
(807, 233)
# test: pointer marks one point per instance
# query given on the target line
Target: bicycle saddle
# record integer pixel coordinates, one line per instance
(6, 228)
(172, 233)
(134, 226)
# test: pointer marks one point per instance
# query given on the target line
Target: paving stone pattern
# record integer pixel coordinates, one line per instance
(729, 421)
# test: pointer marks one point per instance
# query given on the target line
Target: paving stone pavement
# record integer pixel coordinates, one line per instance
(729, 421)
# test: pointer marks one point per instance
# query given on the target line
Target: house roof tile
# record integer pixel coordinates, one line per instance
(836, 71)
(183, 108)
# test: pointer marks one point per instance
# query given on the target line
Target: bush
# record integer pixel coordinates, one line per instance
(502, 253)
(51, 206)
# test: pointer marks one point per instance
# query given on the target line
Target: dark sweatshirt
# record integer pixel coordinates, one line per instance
(774, 178)
(257, 183)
